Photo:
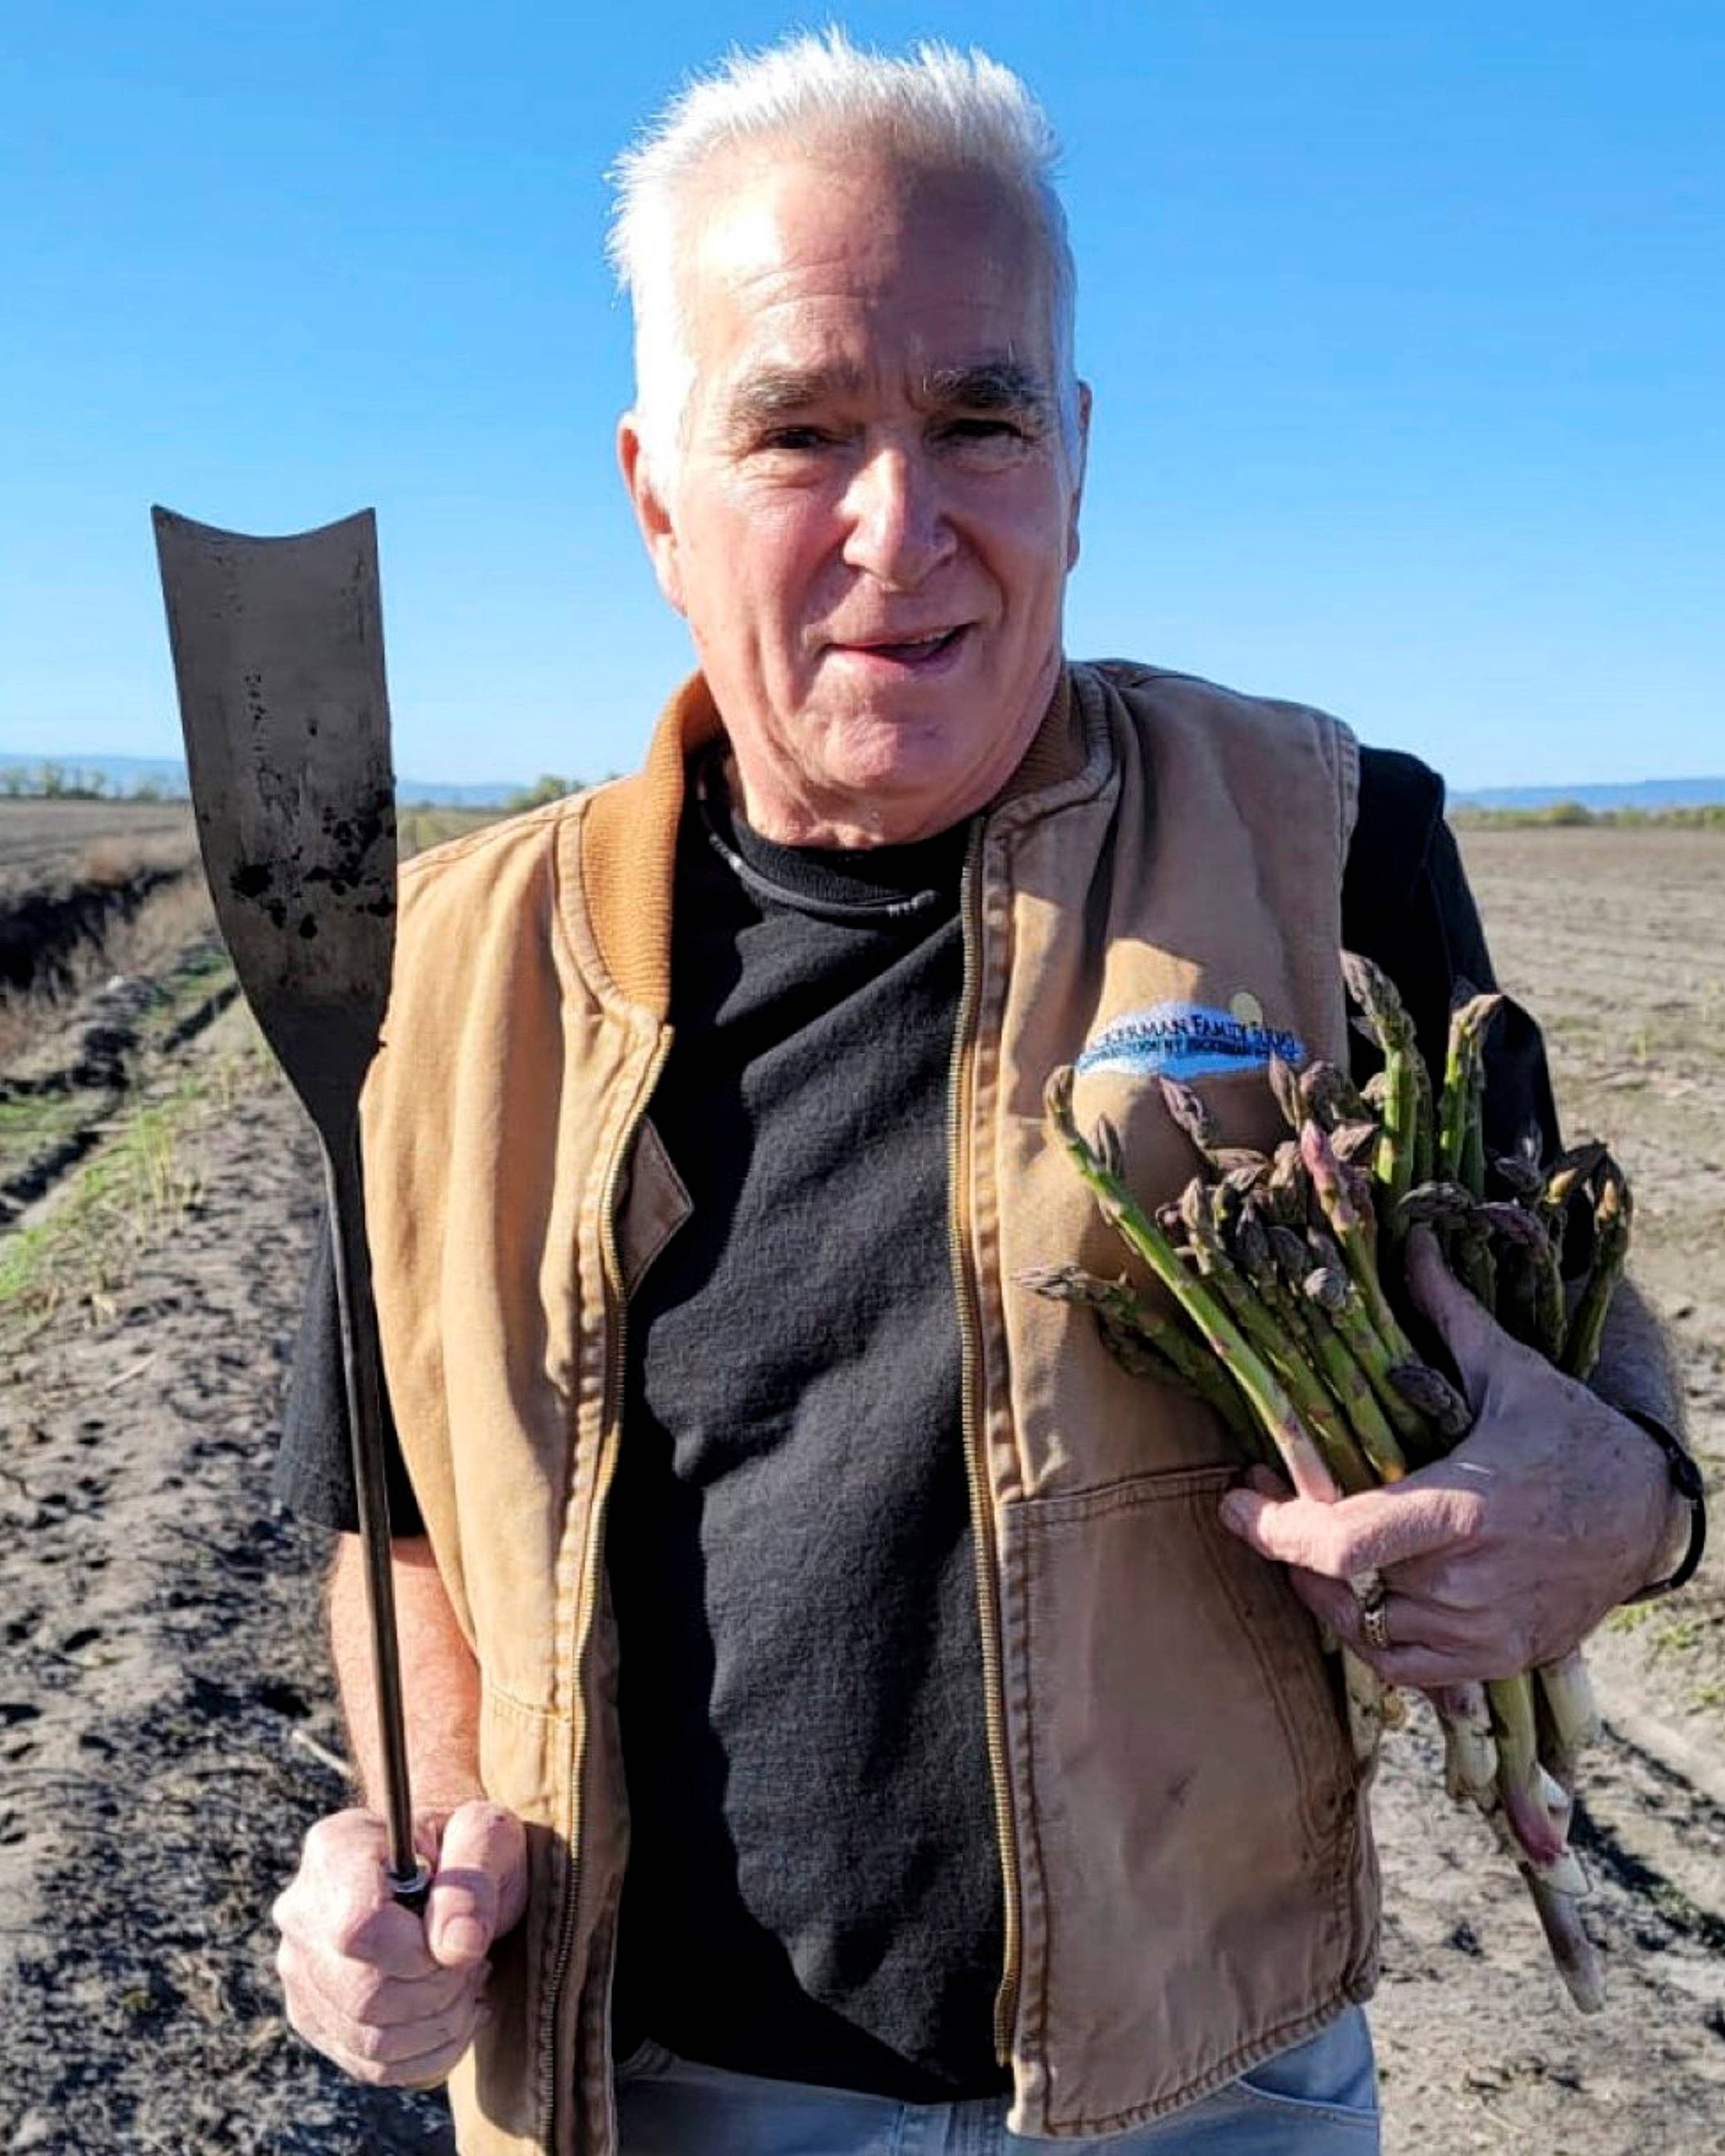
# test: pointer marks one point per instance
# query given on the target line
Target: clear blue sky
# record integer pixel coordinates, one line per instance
(1406, 326)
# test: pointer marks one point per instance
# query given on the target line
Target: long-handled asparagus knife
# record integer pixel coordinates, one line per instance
(278, 652)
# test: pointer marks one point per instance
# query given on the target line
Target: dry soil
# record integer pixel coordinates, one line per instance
(166, 1730)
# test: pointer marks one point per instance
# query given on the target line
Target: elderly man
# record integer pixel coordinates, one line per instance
(848, 1713)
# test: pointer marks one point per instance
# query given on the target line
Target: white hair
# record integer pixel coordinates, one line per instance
(938, 106)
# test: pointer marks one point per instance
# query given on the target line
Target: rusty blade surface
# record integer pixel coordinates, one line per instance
(278, 653)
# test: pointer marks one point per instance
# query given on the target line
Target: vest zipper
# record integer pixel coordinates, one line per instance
(982, 1509)
(610, 1421)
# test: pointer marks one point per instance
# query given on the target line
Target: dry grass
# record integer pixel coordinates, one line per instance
(173, 916)
(145, 1176)
(172, 919)
(23, 1019)
(119, 858)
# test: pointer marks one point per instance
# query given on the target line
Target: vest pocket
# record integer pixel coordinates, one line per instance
(1189, 1862)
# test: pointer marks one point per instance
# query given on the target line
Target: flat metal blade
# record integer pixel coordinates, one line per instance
(278, 653)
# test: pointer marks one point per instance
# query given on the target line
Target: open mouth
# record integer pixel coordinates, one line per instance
(914, 652)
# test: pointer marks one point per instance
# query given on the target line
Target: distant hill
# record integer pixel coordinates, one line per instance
(165, 777)
(1648, 794)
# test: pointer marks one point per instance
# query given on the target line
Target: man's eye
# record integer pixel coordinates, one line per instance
(795, 438)
(982, 430)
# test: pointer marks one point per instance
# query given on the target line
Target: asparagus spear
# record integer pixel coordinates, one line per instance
(1347, 1224)
(1611, 1241)
(1568, 1176)
(1571, 1711)
(1191, 1112)
(1279, 1348)
(1568, 1713)
(1392, 1163)
(1330, 1287)
(1531, 1817)
(1445, 1414)
(1354, 1140)
(1276, 1262)
(1425, 1123)
(1146, 1340)
(1448, 1209)
(1330, 1098)
(1469, 1748)
(1289, 1189)
(1530, 1297)
(1285, 1085)
(1571, 1948)
(1461, 1146)
(1098, 1167)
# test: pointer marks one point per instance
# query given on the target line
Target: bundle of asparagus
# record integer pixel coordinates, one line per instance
(1276, 1267)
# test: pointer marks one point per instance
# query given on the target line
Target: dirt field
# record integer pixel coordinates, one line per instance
(1615, 939)
(41, 840)
(166, 1726)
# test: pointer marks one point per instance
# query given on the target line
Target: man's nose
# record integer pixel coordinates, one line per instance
(898, 529)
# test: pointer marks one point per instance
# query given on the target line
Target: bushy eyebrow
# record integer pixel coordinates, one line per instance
(778, 394)
(991, 385)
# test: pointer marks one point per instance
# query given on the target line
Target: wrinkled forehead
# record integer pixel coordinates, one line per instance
(777, 237)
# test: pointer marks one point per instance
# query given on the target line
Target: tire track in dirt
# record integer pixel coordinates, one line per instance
(95, 1061)
(162, 1660)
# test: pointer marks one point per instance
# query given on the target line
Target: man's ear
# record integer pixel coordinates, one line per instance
(1081, 459)
(652, 510)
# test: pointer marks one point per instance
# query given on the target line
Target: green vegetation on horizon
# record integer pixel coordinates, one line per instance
(1576, 815)
(63, 781)
(48, 780)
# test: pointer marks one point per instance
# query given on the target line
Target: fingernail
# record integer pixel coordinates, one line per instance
(464, 1939)
(1234, 1513)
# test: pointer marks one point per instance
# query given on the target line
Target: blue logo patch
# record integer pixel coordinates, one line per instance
(1187, 1040)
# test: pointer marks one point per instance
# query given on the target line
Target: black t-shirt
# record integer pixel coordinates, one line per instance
(813, 1886)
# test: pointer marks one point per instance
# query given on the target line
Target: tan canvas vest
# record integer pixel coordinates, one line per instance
(1188, 1879)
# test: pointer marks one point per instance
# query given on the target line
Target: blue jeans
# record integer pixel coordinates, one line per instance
(1318, 2099)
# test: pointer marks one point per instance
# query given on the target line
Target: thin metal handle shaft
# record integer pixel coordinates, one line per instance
(361, 1364)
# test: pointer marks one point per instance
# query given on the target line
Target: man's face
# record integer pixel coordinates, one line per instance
(875, 513)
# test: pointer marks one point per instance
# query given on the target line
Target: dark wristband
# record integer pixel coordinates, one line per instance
(1686, 1480)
